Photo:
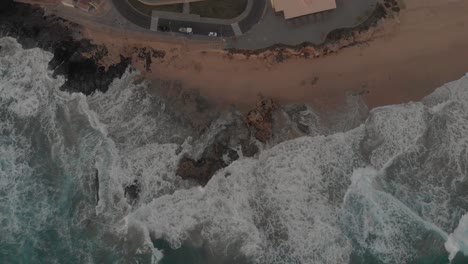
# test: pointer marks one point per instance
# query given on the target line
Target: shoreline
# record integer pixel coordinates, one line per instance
(402, 59)
(405, 59)
(393, 57)
(83, 73)
(325, 167)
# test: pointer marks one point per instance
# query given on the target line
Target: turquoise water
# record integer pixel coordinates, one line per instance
(392, 190)
(196, 255)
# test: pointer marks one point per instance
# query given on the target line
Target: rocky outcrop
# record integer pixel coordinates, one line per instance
(240, 136)
(224, 142)
(147, 55)
(96, 185)
(132, 192)
(199, 171)
(260, 119)
(85, 75)
(237, 137)
(32, 28)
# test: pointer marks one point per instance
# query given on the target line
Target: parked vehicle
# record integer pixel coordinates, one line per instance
(213, 34)
(186, 30)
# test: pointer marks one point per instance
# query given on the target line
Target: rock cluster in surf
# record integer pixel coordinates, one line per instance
(239, 137)
(261, 120)
(32, 28)
(79, 62)
(226, 145)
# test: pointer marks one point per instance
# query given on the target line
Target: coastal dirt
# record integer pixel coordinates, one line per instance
(401, 60)
(415, 49)
(404, 60)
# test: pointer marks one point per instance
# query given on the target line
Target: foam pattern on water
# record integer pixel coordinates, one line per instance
(16, 184)
(392, 130)
(391, 190)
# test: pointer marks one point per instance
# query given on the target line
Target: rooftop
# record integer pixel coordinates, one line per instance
(297, 8)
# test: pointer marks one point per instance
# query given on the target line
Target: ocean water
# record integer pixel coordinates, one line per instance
(391, 190)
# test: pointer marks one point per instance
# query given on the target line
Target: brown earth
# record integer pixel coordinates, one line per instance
(403, 59)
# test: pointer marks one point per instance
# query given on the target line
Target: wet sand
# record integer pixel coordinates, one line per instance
(406, 58)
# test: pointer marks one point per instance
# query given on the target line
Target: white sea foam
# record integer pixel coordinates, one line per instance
(391, 130)
(24, 84)
(458, 240)
(380, 223)
(278, 204)
(375, 189)
(25, 80)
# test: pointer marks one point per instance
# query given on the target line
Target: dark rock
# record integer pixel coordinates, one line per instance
(100, 53)
(148, 62)
(132, 192)
(249, 148)
(96, 183)
(158, 53)
(261, 120)
(219, 152)
(85, 76)
(32, 28)
(200, 171)
(236, 134)
(147, 54)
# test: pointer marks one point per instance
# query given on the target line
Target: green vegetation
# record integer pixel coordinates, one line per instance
(147, 9)
(224, 9)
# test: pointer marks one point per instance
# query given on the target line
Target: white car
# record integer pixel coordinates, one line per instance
(186, 30)
(213, 34)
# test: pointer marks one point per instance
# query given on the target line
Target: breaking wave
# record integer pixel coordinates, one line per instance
(391, 190)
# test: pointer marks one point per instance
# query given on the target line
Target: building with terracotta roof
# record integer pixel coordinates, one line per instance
(297, 8)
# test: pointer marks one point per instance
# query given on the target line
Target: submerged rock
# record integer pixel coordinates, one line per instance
(132, 192)
(200, 171)
(96, 184)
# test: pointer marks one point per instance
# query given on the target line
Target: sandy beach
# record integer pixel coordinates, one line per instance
(403, 59)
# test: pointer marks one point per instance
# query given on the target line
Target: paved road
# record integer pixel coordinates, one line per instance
(127, 11)
(199, 28)
(274, 29)
(254, 16)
